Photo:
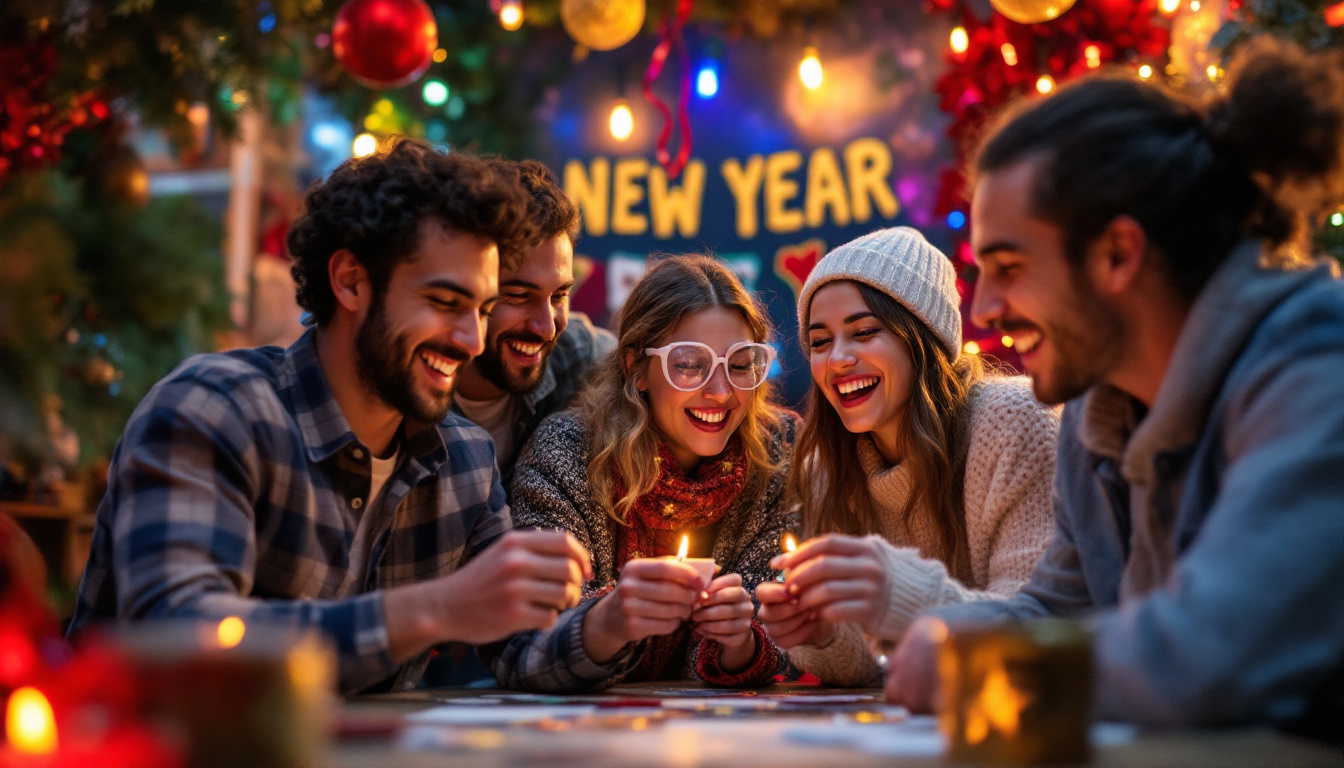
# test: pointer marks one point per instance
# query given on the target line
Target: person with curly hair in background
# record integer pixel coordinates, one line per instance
(1143, 252)
(328, 485)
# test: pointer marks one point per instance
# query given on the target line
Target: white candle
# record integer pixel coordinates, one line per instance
(702, 565)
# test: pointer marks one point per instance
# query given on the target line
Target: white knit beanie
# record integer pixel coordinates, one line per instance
(902, 264)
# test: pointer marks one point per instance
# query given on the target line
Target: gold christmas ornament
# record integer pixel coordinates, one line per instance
(1032, 11)
(602, 24)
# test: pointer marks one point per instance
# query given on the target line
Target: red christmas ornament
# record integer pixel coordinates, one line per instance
(385, 43)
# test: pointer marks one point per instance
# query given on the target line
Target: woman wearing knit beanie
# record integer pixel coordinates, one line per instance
(922, 481)
(675, 435)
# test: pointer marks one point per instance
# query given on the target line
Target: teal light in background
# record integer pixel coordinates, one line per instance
(435, 93)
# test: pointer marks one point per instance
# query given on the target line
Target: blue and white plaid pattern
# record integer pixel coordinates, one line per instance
(237, 489)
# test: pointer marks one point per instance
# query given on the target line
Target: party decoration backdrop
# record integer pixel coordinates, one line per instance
(779, 173)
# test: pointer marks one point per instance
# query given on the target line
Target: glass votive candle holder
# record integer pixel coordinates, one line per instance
(1018, 693)
(236, 693)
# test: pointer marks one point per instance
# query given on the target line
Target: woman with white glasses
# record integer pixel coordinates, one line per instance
(674, 437)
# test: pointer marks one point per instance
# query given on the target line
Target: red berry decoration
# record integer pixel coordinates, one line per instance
(385, 43)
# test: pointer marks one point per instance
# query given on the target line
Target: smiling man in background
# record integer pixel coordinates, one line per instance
(536, 351)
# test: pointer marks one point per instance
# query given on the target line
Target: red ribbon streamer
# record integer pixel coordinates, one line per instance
(670, 32)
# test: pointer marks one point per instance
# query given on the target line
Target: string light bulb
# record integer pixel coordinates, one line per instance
(1337, 219)
(971, 348)
(1045, 84)
(1213, 72)
(959, 40)
(809, 69)
(1009, 54)
(511, 15)
(707, 81)
(365, 144)
(1169, 6)
(622, 122)
(1195, 6)
(1145, 71)
(1093, 55)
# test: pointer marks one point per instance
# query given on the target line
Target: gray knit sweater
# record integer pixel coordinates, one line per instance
(1010, 464)
(550, 490)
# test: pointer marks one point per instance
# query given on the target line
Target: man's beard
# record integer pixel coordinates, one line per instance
(1085, 344)
(492, 367)
(385, 364)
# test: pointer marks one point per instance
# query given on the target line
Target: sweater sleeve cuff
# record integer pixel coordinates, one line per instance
(761, 671)
(581, 665)
(913, 584)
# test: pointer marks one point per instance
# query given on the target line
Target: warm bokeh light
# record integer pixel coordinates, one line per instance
(1009, 54)
(373, 122)
(1213, 72)
(622, 122)
(231, 631)
(1334, 15)
(1045, 84)
(809, 69)
(684, 548)
(365, 144)
(1195, 6)
(971, 348)
(511, 15)
(959, 40)
(1145, 71)
(30, 725)
(440, 55)
(1093, 55)
(1007, 341)
(789, 544)
(1169, 6)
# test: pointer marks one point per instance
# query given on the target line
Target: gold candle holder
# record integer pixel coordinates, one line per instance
(234, 693)
(1017, 693)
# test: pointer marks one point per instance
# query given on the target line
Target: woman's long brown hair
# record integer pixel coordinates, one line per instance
(828, 477)
(616, 414)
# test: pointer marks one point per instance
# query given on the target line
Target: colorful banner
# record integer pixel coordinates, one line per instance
(779, 173)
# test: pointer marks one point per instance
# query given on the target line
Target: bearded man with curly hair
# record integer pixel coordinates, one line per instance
(329, 486)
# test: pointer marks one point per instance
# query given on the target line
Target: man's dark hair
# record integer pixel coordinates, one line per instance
(373, 207)
(550, 209)
(1197, 177)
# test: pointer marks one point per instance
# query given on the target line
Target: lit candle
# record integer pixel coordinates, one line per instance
(702, 565)
(30, 724)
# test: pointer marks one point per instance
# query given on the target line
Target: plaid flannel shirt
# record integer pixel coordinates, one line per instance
(237, 489)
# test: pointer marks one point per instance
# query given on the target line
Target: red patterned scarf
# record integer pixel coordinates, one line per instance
(679, 503)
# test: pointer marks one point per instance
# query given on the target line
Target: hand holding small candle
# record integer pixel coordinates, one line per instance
(652, 597)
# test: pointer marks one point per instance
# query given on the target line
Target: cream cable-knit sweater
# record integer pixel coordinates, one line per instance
(1010, 464)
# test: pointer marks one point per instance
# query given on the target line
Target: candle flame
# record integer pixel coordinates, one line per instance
(684, 548)
(231, 631)
(997, 707)
(30, 723)
(789, 544)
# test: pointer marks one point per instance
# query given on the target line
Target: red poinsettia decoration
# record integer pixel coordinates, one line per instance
(32, 128)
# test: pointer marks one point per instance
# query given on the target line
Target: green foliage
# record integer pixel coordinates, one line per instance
(97, 302)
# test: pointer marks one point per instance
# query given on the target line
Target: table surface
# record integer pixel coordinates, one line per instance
(374, 732)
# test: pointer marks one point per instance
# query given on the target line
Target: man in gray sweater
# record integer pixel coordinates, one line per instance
(1142, 253)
